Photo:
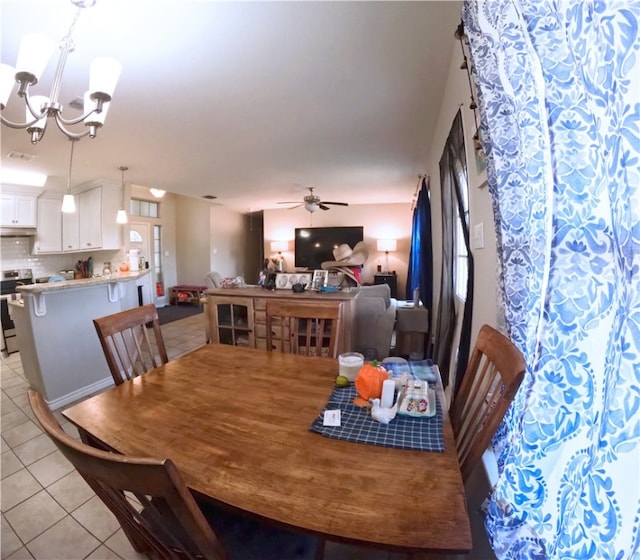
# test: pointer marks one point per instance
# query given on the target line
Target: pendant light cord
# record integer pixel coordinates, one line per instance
(70, 164)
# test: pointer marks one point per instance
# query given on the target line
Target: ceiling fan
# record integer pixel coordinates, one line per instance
(312, 202)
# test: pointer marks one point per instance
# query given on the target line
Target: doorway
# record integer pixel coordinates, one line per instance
(140, 239)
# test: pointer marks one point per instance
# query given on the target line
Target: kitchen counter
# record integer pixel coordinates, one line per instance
(81, 282)
(59, 346)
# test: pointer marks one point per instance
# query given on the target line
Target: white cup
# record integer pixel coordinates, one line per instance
(350, 364)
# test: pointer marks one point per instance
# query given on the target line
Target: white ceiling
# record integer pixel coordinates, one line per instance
(248, 101)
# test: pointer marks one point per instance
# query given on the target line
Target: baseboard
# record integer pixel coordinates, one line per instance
(80, 394)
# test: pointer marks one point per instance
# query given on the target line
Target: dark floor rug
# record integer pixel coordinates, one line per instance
(178, 311)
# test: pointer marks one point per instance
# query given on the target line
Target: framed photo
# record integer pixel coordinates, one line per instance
(320, 278)
(286, 280)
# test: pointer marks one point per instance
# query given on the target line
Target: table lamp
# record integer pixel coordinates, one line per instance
(278, 247)
(387, 245)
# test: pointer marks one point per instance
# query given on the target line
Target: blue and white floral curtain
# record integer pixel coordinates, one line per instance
(558, 85)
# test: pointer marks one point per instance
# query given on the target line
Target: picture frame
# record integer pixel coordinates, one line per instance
(286, 280)
(319, 279)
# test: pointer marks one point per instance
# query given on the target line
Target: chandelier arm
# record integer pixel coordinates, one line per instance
(36, 116)
(77, 120)
(11, 124)
(68, 133)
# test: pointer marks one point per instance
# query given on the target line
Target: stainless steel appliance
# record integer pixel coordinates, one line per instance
(10, 280)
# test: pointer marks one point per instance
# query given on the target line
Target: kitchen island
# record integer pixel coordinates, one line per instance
(59, 347)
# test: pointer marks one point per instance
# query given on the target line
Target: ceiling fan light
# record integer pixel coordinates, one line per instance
(35, 51)
(311, 207)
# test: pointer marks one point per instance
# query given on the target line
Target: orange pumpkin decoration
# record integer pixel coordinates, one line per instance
(369, 383)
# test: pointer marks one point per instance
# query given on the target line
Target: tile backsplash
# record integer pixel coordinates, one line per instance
(16, 253)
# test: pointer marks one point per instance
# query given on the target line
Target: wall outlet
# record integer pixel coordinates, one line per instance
(478, 236)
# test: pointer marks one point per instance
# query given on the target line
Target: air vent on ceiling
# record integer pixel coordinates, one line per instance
(209, 196)
(20, 155)
(77, 103)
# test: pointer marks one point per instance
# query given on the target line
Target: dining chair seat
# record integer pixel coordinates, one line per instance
(127, 346)
(158, 513)
(299, 327)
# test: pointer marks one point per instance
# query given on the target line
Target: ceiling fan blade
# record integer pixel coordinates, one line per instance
(322, 206)
(290, 202)
(336, 203)
(296, 206)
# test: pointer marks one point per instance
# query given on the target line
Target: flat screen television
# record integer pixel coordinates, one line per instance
(313, 246)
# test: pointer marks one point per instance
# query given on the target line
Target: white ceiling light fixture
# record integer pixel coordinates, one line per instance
(68, 200)
(311, 207)
(121, 216)
(35, 51)
(157, 193)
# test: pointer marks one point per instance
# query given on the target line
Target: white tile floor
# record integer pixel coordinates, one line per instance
(49, 512)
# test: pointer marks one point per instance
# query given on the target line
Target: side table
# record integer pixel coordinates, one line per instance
(412, 327)
(390, 279)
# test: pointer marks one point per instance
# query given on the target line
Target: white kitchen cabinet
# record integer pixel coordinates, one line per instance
(70, 232)
(93, 225)
(49, 227)
(18, 210)
(90, 218)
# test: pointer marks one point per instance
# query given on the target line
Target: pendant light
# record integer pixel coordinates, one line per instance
(68, 200)
(121, 216)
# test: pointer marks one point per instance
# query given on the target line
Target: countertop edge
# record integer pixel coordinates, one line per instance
(80, 283)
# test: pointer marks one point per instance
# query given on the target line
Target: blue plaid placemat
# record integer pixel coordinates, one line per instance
(423, 434)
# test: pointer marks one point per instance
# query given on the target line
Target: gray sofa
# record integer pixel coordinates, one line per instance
(373, 321)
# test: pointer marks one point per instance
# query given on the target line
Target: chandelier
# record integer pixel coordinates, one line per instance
(35, 51)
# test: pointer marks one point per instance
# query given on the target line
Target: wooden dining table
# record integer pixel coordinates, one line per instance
(236, 423)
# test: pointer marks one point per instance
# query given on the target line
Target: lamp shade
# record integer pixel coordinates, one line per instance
(103, 75)
(121, 217)
(7, 81)
(68, 204)
(279, 246)
(94, 119)
(387, 245)
(35, 51)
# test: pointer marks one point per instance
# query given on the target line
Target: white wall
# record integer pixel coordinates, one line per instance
(388, 221)
(480, 211)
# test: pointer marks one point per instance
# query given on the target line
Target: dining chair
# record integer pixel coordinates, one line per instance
(303, 328)
(492, 378)
(126, 343)
(158, 513)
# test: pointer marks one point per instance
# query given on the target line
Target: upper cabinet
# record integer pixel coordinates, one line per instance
(18, 210)
(49, 228)
(91, 227)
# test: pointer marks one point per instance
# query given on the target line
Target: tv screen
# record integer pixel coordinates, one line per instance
(313, 246)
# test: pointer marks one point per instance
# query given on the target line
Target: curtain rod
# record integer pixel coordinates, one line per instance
(415, 194)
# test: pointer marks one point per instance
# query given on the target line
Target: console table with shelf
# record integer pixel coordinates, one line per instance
(238, 316)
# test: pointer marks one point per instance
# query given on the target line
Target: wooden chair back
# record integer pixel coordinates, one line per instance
(492, 378)
(293, 327)
(148, 496)
(126, 343)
